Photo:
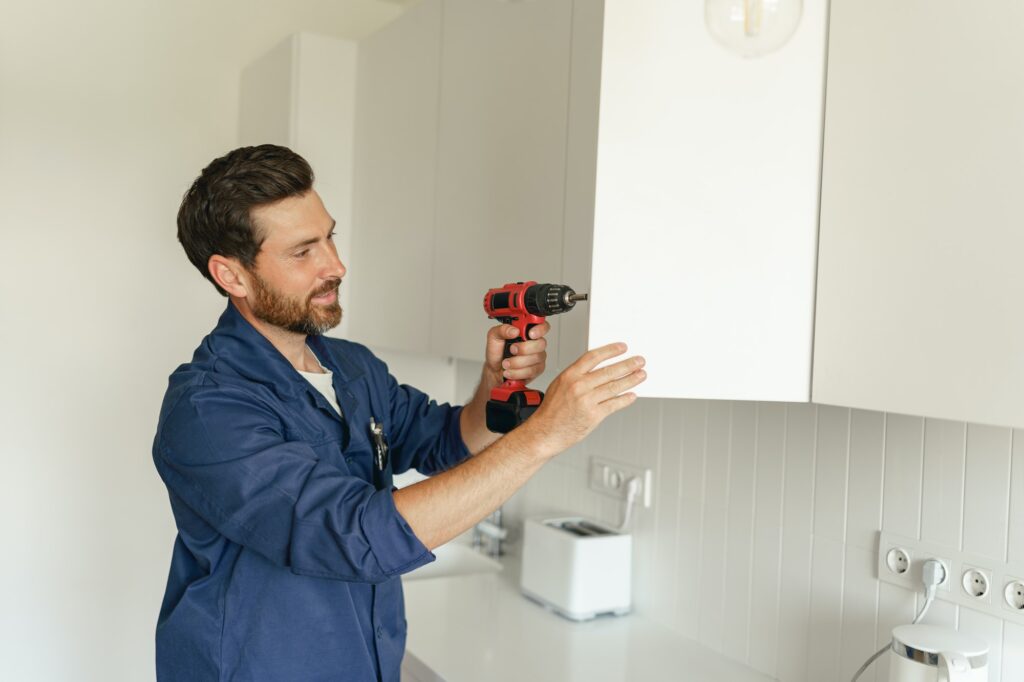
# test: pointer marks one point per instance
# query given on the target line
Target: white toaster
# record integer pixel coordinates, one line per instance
(577, 567)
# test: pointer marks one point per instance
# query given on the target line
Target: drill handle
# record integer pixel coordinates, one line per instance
(524, 325)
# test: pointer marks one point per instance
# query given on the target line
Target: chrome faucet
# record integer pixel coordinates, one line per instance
(491, 529)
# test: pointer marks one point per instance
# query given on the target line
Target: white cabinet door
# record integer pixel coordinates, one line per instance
(390, 267)
(707, 203)
(920, 288)
(502, 159)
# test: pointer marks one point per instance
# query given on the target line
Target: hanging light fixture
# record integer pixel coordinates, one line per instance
(751, 28)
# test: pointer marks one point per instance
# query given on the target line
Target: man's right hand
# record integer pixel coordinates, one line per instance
(581, 397)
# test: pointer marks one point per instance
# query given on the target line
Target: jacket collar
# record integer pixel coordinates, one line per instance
(241, 347)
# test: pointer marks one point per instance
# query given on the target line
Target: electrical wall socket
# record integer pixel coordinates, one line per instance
(901, 562)
(972, 581)
(977, 582)
(609, 478)
(1013, 594)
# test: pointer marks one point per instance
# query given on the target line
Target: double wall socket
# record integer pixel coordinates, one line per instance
(611, 478)
(992, 587)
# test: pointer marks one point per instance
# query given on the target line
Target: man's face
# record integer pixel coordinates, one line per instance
(294, 283)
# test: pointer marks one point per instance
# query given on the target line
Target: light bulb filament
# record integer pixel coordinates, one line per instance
(753, 15)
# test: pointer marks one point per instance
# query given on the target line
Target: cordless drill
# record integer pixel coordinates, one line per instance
(523, 305)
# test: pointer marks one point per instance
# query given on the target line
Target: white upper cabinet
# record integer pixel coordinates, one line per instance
(391, 268)
(919, 289)
(616, 148)
(697, 242)
(501, 159)
(461, 134)
(706, 210)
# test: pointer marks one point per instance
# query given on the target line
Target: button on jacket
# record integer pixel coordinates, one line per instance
(289, 545)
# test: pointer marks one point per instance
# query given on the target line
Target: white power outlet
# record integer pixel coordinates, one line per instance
(977, 582)
(1013, 594)
(897, 560)
(901, 560)
(972, 581)
(610, 478)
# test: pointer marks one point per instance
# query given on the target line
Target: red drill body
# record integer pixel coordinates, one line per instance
(523, 305)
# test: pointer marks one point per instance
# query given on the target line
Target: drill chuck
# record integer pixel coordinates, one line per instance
(550, 299)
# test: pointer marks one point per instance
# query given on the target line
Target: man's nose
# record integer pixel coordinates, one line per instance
(334, 267)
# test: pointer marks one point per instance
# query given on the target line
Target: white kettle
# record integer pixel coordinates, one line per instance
(927, 653)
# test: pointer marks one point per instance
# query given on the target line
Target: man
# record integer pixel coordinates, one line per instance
(291, 538)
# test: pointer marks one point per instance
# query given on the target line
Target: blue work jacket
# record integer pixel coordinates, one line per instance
(289, 549)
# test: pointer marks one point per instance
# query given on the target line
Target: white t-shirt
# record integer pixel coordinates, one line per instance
(323, 383)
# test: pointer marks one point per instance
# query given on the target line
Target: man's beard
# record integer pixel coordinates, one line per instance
(301, 317)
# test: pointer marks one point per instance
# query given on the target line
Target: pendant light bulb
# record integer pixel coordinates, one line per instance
(751, 28)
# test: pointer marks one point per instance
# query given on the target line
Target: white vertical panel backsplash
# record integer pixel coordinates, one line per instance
(901, 490)
(942, 493)
(711, 626)
(1015, 531)
(896, 606)
(797, 522)
(864, 484)
(824, 635)
(830, 473)
(691, 493)
(740, 526)
(646, 439)
(942, 613)
(1013, 652)
(763, 635)
(762, 539)
(860, 610)
(666, 510)
(987, 486)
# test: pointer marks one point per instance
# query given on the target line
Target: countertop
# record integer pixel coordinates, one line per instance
(479, 628)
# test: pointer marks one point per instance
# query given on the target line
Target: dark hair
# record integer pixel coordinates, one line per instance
(214, 216)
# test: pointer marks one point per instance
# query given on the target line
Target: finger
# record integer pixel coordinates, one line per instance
(495, 335)
(593, 358)
(529, 347)
(614, 371)
(504, 331)
(522, 374)
(617, 403)
(540, 330)
(522, 362)
(614, 388)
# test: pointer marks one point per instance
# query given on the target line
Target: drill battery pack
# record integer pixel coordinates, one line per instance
(508, 412)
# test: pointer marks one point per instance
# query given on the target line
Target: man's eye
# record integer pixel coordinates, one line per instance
(302, 253)
(332, 234)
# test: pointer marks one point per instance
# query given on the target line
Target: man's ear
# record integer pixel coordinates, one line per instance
(229, 274)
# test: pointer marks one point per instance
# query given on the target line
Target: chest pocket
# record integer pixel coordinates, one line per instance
(315, 423)
(362, 448)
(346, 444)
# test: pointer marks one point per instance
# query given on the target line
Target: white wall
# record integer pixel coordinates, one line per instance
(108, 110)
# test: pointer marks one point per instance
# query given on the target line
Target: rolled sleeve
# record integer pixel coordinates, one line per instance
(363, 538)
(224, 455)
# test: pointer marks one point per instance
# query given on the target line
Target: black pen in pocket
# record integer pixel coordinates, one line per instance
(380, 444)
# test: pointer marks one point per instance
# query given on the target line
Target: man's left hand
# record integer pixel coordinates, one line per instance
(529, 357)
